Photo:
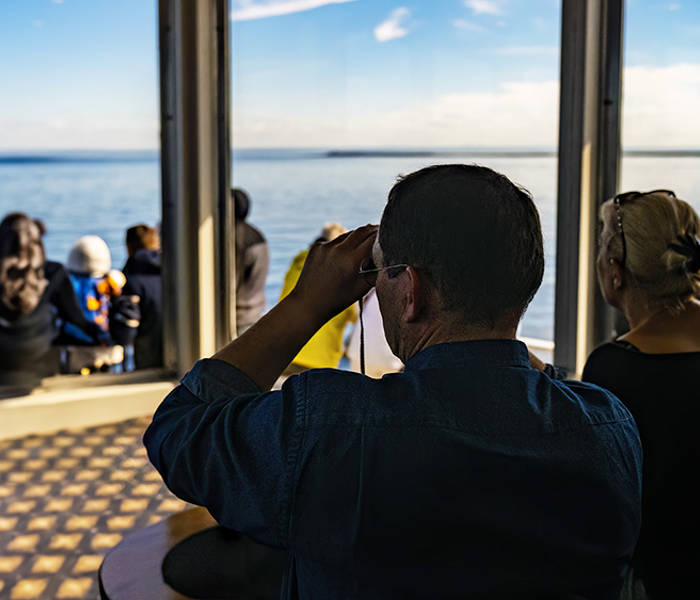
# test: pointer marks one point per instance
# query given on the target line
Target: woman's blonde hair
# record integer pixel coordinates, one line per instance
(662, 251)
(331, 231)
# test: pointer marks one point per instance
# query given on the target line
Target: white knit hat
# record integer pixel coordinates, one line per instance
(90, 256)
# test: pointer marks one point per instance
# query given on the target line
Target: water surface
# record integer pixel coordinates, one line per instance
(293, 193)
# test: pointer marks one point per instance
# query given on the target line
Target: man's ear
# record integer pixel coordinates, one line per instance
(414, 296)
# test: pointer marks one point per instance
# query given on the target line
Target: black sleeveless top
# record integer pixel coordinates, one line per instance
(662, 391)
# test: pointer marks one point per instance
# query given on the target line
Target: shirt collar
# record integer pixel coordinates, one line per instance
(495, 353)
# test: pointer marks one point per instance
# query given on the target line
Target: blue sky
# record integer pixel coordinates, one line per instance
(340, 73)
(78, 74)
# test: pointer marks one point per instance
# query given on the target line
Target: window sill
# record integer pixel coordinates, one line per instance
(82, 401)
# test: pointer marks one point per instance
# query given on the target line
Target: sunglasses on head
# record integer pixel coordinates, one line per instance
(626, 198)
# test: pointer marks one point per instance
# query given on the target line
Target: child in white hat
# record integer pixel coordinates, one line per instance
(95, 283)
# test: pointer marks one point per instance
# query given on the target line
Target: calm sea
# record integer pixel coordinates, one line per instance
(293, 193)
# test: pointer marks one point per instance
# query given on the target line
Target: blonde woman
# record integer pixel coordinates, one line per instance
(325, 348)
(649, 268)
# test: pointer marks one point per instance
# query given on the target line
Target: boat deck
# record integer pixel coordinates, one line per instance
(66, 498)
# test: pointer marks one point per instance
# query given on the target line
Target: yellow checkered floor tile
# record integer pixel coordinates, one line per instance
(66, 499)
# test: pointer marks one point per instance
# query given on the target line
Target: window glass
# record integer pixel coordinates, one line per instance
(79, 123)
(661, 95)
(333, 99)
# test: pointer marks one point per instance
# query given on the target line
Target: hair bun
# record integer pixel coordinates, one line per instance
(689, 246)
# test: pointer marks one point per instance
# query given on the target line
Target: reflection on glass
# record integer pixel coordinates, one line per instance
(79, 150)
(661, 95)
(330, 105)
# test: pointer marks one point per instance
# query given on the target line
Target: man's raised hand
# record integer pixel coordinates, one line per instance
(329, 281)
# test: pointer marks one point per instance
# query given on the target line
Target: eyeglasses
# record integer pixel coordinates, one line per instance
(369, 271)
(627, 197)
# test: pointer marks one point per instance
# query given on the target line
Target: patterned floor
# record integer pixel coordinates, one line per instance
(66, 499)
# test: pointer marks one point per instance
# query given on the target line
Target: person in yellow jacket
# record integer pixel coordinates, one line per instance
(325, 348)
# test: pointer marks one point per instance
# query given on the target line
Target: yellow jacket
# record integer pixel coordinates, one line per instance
(325, 348)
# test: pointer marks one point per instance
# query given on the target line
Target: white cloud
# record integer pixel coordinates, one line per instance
(517, 113)
(466, 25)
(122, 132)
(484, 7)
(246, 10)
(674, 6)
(660, 108)
(527, 50)
(659, 111)
(392, 28)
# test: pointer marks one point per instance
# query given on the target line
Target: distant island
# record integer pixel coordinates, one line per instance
(520, 153)
(78, 156)
(428, 153)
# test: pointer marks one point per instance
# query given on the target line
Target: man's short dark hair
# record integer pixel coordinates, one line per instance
(476, 235)
(241, 204)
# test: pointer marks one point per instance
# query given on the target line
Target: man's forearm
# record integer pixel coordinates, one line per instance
(328, 284)
(265, 349)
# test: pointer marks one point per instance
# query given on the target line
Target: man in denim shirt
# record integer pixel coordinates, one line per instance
(468, 475)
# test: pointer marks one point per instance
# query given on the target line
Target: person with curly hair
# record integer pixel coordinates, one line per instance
(33, 293)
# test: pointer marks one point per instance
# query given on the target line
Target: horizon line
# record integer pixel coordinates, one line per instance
(328, 148)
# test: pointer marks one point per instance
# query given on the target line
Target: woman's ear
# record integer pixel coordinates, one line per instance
(616, 274)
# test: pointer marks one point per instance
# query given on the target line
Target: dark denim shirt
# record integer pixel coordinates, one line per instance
(469, 475)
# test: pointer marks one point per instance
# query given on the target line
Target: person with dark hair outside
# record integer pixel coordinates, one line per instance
(649, 268)
(325, 348)
(143, 292)
(252, 263)
(141, 237)
(468, 475)
(33, 292)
